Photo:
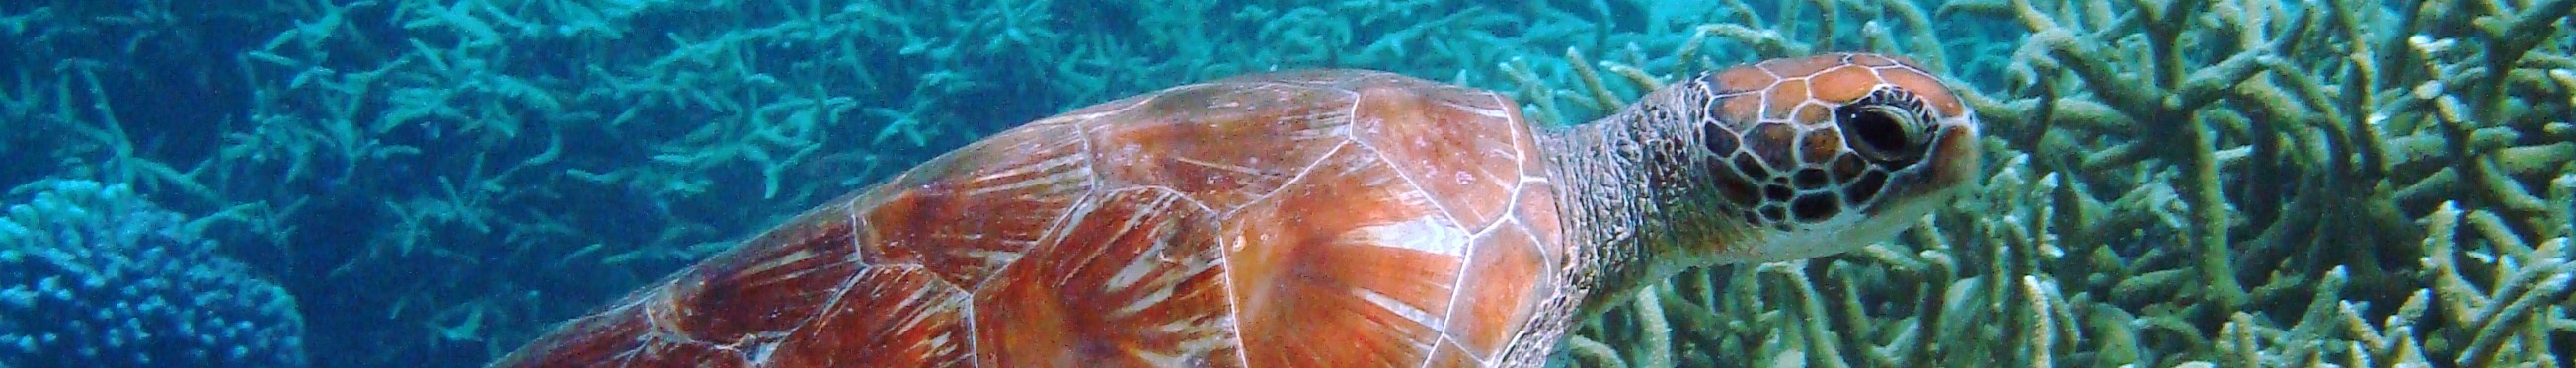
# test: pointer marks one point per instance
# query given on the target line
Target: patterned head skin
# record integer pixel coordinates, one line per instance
(1826, 154)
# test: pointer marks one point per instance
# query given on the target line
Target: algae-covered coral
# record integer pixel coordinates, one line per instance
(2253, 183)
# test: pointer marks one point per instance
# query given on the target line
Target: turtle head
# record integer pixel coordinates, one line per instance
(1779, 160)
(1826, 154)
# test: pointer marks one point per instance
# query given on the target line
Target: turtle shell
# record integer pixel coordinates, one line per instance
(1314, 218)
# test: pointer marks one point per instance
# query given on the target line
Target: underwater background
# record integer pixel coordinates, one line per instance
(430, 183)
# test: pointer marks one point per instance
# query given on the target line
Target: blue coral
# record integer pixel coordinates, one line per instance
(93, 275)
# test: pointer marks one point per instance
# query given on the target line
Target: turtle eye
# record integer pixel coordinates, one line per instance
(1883, 132)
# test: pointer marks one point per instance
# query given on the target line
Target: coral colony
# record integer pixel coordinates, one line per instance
(94, 276)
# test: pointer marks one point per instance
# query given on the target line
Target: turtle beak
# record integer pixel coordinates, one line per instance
(1956, 156)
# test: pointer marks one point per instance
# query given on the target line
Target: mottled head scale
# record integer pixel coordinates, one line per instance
(1824, 154)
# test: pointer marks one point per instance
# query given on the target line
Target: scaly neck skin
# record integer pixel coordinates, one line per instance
(1632, 204)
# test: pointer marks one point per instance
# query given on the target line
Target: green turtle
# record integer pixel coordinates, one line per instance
(1322, 218)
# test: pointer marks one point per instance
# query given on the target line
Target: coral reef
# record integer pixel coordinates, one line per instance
(92, 275)
(2196, 183)
(2177, 182)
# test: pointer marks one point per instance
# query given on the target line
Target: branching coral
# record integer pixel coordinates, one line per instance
(2200, 182)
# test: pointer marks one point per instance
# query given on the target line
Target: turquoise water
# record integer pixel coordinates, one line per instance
(434, 182)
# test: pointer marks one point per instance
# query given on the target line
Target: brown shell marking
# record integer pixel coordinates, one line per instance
(1334, 283)
(1326, 218)
(801, 277)
(966, 214)
(1473, 154)
(1127, 283)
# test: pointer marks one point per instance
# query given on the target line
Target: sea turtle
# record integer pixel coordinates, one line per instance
(1330, 218)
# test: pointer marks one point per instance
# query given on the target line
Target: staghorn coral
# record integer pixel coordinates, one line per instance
(92, 275)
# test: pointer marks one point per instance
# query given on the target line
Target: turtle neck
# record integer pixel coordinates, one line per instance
(1632, 199)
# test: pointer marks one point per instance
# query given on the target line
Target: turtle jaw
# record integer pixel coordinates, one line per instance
(1902, 208)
